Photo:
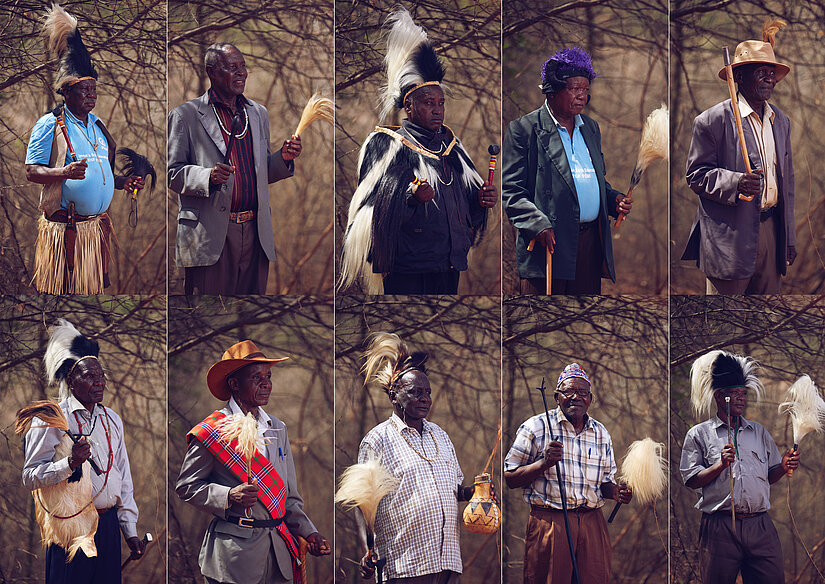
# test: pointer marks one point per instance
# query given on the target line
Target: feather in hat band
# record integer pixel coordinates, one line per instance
(419, 86)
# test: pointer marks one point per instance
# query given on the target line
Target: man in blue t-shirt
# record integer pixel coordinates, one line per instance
(71, 154)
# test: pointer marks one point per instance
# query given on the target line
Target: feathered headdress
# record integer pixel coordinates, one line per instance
(720, 370)
(566, 63)
(387, 360)
(410, 60)
(63, 37)
(66, 347)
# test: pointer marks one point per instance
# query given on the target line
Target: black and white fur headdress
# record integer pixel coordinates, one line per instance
(720, 370)
(66, 347)
(63, 37)
(410, 60)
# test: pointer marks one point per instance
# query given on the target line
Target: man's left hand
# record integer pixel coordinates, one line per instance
(318, 545)
(624, 494)
(791, 255)
(137, 546)
(291, 148)
(624, 204)
(487, 196)
(132, 183)
(790, 461)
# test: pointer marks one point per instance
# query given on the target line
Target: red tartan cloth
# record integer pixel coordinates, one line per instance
(272, 491)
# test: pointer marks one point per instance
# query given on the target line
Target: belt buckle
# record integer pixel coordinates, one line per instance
(246, 522)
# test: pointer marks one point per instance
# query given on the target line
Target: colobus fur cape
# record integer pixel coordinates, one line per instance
(386, 167)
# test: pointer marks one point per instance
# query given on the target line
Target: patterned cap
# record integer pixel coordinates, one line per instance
(572, 370)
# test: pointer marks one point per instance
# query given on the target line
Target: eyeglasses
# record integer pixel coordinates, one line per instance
(569, 393)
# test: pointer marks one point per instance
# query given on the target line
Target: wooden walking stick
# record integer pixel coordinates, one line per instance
(147, 539)
(737, 117)
(730, 472)
(548, 265)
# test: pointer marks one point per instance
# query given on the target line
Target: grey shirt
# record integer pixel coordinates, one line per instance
(756, 455)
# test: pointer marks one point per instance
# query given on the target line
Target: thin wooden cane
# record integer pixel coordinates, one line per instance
(737, 117)
(548, 265)
(495, 449)
(730, 473)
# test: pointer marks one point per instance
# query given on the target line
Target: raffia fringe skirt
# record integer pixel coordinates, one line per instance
(51, 264)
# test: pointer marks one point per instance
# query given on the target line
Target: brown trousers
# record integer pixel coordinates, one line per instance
(445, 577)
(547, 554)
(242, 268)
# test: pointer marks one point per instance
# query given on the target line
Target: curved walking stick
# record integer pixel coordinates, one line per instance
(563, 493)
(548, 271)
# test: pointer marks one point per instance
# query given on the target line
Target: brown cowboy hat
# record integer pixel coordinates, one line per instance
(237, 356)
(756, 52)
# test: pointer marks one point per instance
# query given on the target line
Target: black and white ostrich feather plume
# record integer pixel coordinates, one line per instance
(63, 38)
(719, 370)
(66, 346)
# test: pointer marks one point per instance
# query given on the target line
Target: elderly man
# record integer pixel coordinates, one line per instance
(583, 448)
(71, 360)
(72, 154)
(252, 538)
(553, 185)
(417, 527)
(730, 444)
(420, 205)
(224, 238)
(744, 236)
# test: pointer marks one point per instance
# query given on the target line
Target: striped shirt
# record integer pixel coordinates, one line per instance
(588, 461)
(244, 191)
(416, 528)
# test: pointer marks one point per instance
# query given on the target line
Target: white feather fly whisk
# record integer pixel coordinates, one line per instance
(644, 470)
(363, 485)
(244, 429)
(806, 408)
(317, 108)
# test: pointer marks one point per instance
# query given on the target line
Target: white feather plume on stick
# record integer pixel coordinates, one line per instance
(317, 108)
(404, 38)
(244, 429)
(644, 470)
(364, 485)
(805, 406)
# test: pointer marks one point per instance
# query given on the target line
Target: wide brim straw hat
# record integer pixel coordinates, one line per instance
(237, 356)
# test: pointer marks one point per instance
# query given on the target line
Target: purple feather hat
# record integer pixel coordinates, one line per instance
(566, 63)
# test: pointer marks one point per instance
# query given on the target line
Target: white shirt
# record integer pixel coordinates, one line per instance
(763, 132)
(102, 427)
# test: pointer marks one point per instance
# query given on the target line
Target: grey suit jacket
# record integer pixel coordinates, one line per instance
(194, 146)
(725, 232)
(231, 553)
(538, 193)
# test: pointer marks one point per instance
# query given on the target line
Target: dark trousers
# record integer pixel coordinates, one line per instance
(103, 569)
(242, 268)
(445, 577)
(589, 259)
(754, 550)
(432, 283)
(547, 553)
(766, 278)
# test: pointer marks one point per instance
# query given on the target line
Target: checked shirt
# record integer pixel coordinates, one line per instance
(588, 461)
(416, 528)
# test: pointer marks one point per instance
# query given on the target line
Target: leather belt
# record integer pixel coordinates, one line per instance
(766, 214)
(739, 515)
(242, 216)
(254, 523)
(578, 510)
(586, 226)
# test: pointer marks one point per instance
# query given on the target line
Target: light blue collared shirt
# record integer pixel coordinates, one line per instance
(581, 167)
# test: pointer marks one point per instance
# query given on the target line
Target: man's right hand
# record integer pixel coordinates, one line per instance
(244, 495)
(81, 451)
(553, 453)
(220, 173)
(366, 571)
(423, 193)
(728, 455)
(548, 239)
(750, 184)
(75, 170)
